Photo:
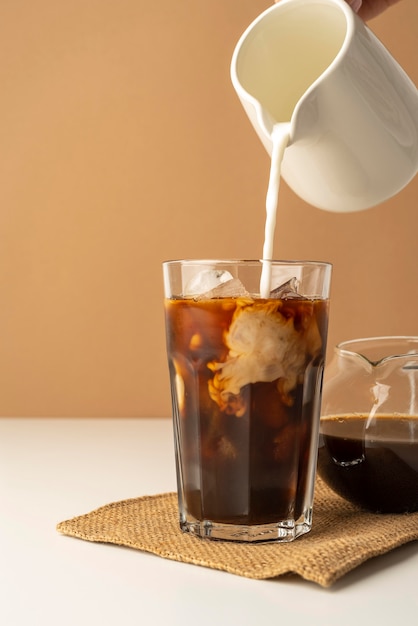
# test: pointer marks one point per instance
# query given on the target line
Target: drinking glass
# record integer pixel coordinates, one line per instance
(246, 377)
(368, 443)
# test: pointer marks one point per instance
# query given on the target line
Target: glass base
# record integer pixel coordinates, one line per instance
(283, 531)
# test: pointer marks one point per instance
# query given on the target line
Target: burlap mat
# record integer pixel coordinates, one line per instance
(342, 538)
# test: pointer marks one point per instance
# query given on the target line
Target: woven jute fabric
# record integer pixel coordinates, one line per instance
(342, 538)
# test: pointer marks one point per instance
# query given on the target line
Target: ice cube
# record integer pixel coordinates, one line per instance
(205, 280)
(213, 283)
(232, 288)
(289, 289)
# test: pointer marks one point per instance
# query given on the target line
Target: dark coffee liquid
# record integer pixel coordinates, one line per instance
(375, 464)
(244, 460)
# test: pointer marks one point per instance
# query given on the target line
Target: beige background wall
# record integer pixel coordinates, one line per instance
(123, 144)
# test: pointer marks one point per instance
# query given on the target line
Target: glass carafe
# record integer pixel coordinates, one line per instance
(368, 447)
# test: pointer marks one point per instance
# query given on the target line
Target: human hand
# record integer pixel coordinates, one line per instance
(367, 9)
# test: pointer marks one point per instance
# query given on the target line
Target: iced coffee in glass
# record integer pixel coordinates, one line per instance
(246, 375)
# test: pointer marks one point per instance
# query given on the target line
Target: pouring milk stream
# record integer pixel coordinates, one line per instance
(335, 111)
(280, 139)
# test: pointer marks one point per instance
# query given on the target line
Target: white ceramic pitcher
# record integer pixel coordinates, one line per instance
(351, 110)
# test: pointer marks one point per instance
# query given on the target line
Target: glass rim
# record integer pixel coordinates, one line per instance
(343, 348)
(342, 345)
(239, 261)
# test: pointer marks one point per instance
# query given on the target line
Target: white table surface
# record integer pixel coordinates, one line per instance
(54, 469)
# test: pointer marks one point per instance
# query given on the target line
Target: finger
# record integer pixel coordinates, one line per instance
(372, 8)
